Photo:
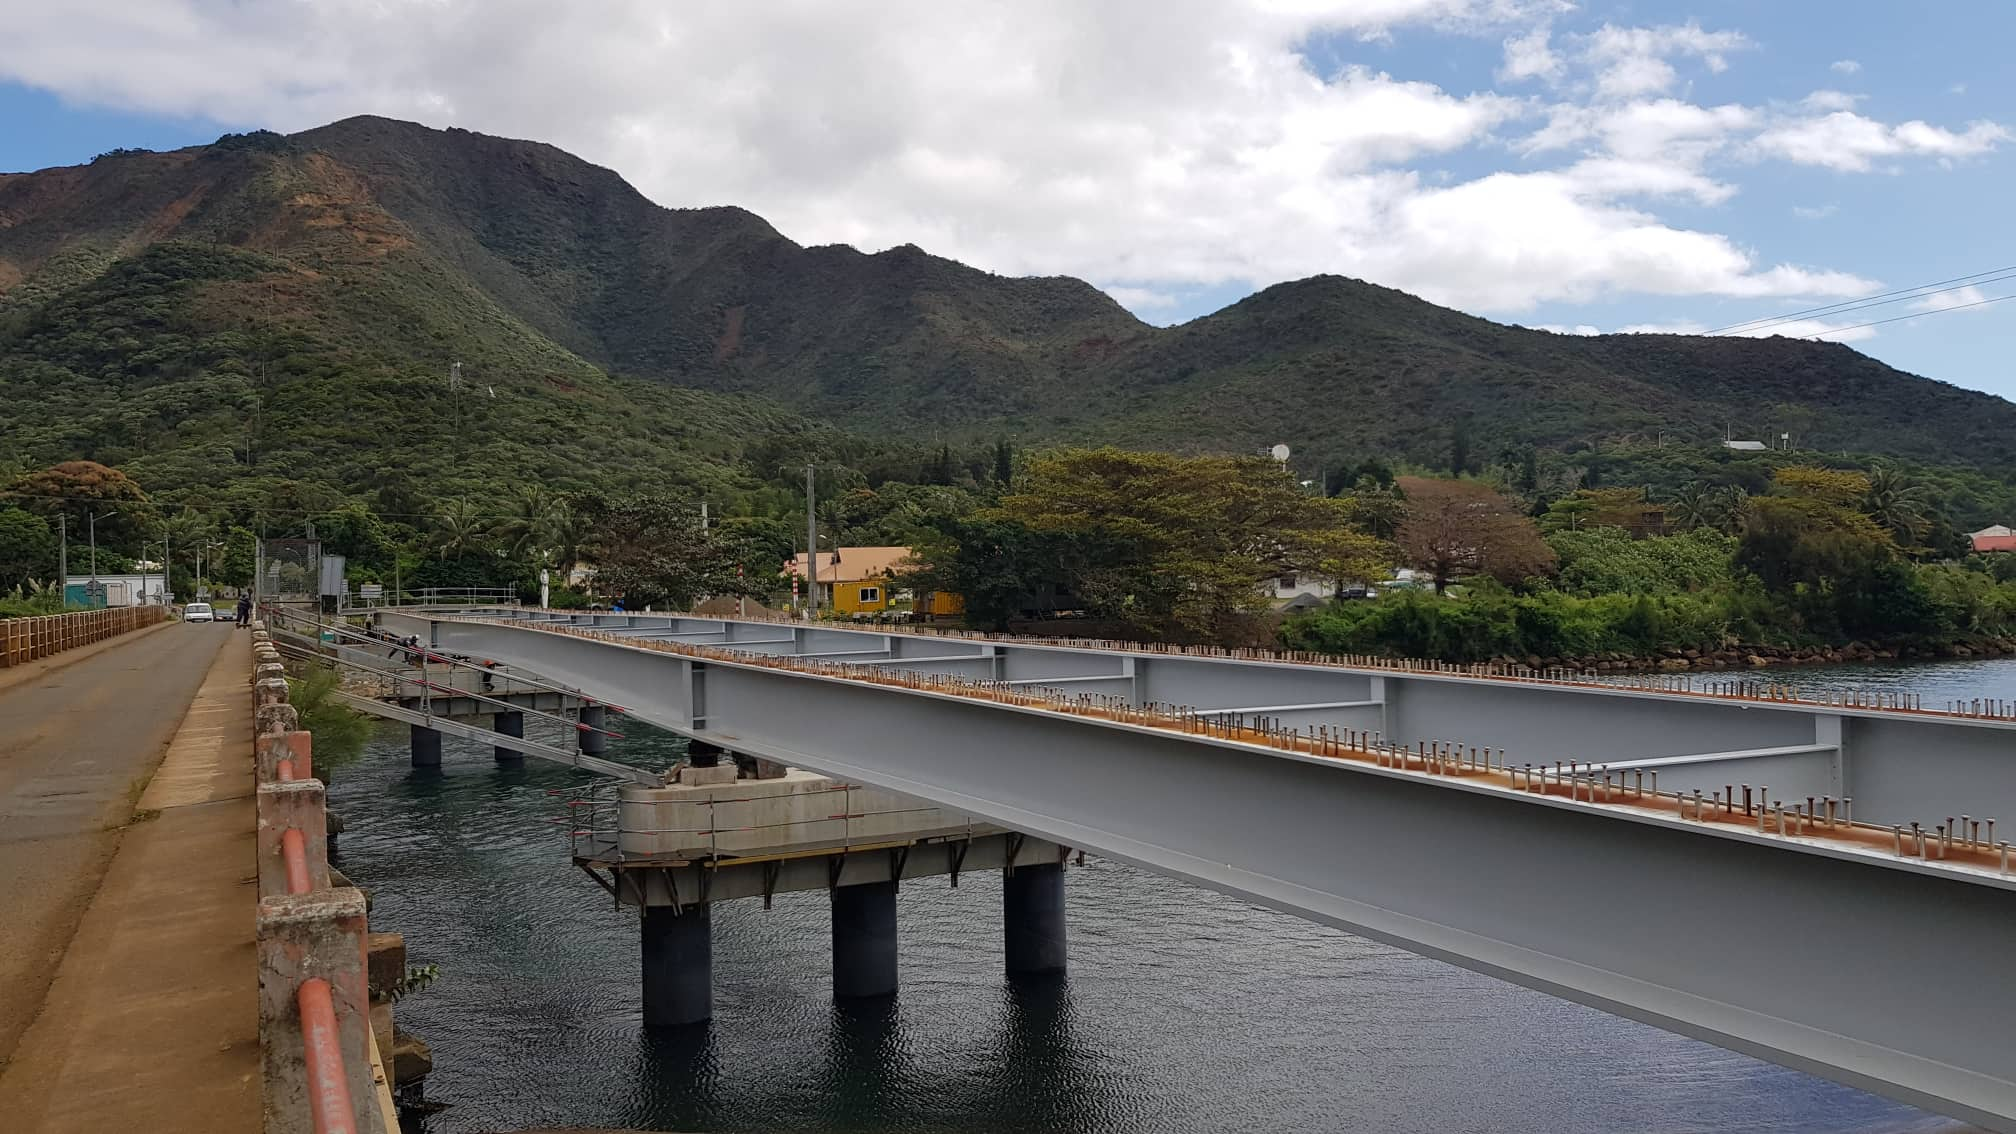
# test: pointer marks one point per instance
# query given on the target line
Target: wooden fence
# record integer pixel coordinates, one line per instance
(26, 639)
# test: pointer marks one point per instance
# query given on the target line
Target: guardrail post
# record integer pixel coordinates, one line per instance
(304, 939)
(294, 747)
(279, 717)
(268, 691)
(299, 806)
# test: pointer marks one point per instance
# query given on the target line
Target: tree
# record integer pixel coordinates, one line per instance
(1459, 445)
(1624, 508)
(998, 565)
(1456, 529)
(78, 489)
(1165, 541)
(527, 526)
(1004, 462)
(1810, 542)
(1901, 505)
(1375, 508)
(27, 548)
(1700, 506)
(458, 530)
(651, 550)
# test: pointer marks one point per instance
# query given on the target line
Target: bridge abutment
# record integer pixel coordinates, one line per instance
(426, 744)
(509, 724)
(1032, 919)
(678, 965)
(864, 940)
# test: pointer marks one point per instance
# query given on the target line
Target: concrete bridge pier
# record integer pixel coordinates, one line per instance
(595, 717)
(1032, 917)
(509, 724)
(864, 940)
(678, 966)
(426, 746)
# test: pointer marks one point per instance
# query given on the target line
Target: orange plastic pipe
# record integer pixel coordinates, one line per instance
(294, 853)
(322, 1048)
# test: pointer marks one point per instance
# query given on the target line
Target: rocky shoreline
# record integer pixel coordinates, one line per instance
(1676, 660)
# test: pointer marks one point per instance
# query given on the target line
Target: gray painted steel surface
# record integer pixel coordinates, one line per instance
(1881, 972)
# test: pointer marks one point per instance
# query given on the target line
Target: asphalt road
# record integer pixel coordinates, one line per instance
(76, 748)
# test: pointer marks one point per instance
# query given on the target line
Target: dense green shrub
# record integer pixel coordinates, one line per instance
(1608, 560)
(1487, 622)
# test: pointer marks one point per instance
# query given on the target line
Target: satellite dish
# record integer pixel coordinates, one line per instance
(1280, 452)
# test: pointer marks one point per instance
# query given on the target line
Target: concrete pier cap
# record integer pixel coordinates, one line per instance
(721, 814)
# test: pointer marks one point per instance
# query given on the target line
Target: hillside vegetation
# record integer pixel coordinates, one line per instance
(286, 308)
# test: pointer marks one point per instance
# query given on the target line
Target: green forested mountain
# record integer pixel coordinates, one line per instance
(269, 310)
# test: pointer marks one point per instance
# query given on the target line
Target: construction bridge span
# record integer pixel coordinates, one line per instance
(1787, 879)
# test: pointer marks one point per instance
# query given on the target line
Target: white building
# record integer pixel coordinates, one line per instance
(121, 590)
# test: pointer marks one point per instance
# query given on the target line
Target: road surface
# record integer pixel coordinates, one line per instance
(77, 745)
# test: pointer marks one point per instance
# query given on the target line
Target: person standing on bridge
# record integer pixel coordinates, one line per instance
(244, 611)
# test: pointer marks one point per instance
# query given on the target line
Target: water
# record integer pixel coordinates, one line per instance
(1184, 1010)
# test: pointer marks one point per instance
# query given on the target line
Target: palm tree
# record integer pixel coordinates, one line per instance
(1697, 505)
(1694, 506)
(525, 528)
(570, 534)
(459, 530)
(1898, 503)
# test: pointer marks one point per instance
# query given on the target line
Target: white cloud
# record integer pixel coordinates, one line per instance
(1529, 57)
(1844, 66)
(1140, 298)
(1815, 212)
(1848, 141)
(1165, 143)
(1949, 300)
(1634, 61)
(1827, 101)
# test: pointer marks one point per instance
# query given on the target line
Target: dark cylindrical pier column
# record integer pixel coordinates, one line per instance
(864, 940)
(678, 966)
(426, 747)
(595, 717)
(1032, 918)
(510, 724)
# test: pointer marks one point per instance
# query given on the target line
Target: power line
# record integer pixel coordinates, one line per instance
(1913, 315)
(1878, 300)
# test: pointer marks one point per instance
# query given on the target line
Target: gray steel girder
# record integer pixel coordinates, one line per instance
(1874, 972)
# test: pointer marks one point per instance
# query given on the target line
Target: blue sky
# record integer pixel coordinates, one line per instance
(1594, 166)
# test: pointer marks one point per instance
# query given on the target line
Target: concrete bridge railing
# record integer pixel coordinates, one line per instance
(313, 938)
(23, 640)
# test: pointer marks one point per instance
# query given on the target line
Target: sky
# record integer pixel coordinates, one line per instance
(1582, 167)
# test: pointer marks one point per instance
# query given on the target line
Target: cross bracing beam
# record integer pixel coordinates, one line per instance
(1081, 679)
(1724, 757)
(534, 748)
(1257, 710)
(1907, 997)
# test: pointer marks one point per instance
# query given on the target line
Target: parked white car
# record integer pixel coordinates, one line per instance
(198, 612)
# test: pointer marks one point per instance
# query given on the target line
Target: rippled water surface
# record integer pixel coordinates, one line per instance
(1184, 1010)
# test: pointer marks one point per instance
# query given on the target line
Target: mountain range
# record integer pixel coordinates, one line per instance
(290, 306)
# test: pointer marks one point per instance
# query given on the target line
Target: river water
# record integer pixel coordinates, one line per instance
(1184, 1010)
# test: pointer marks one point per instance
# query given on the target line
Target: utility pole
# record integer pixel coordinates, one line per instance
(455, 392)
(703, 515)
(63, 558)
(811, 549)
(92, 523)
